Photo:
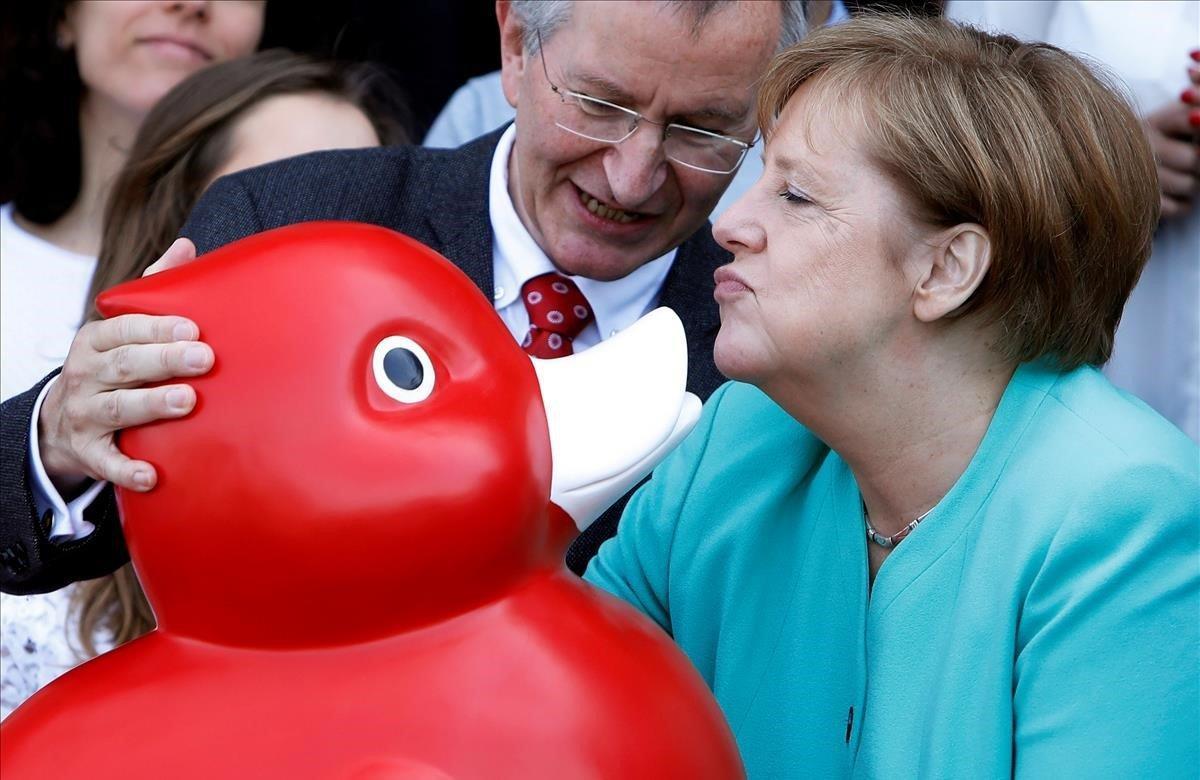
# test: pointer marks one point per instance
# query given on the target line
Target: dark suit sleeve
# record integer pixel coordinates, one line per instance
(587, 544)
(29, 561)
(225, 214)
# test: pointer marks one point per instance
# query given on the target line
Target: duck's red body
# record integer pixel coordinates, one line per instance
(551, 681)
(352, 585)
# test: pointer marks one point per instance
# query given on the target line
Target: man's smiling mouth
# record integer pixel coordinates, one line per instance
(603, 210)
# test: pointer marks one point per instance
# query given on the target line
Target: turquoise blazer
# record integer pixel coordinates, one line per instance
(1043, 621)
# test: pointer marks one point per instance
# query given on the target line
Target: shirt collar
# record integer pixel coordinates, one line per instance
(517, 258)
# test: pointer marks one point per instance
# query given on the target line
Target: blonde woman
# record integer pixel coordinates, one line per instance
(921, 535)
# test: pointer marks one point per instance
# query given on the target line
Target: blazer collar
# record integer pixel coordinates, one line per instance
(458, 209)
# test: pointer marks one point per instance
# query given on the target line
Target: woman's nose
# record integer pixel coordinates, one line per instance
(737, 230)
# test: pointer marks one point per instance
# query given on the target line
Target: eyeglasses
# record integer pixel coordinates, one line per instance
(608, 123)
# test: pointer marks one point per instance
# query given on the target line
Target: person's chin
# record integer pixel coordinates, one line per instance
(600, 267)
(732, 356)
(141, 95)
(583, 255)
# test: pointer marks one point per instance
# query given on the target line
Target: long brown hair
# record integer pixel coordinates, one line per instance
(182, 143)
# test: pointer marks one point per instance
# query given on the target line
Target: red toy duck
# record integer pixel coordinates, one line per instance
(354, 549)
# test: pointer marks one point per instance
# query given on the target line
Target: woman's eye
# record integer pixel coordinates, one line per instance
(403, 370)
(794, 197)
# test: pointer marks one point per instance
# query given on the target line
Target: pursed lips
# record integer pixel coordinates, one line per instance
(730, 280)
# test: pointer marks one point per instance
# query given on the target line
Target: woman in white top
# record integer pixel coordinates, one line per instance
(81, 90)
(225, 118)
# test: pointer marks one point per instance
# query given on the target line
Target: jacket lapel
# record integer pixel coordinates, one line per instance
(458, 211)
(688, 289)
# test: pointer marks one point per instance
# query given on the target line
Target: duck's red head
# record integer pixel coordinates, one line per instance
(369, 453)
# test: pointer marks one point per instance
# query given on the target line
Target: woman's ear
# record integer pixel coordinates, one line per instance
(957, 266)
(512, 51)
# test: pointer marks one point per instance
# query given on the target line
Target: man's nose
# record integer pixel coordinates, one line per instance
(636, 167)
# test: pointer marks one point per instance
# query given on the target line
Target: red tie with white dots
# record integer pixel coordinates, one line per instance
(558, 312)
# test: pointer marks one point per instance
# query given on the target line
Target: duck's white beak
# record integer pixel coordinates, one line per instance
(615, 411)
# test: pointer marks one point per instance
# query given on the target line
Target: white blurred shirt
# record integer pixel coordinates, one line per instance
(1145, 43)
(42, 292)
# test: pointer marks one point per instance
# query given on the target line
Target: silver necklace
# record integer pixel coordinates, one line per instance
(888, 542)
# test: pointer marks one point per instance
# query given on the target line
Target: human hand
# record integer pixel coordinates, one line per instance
(100, 391)
(1172, 129)
(181, 252)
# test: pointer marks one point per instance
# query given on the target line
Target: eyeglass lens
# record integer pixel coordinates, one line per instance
(600, 121)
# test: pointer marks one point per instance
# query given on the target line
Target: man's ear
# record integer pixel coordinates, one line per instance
(512, 51)
(956, 266)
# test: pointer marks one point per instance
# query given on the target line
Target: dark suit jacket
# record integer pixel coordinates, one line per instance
(439, 197)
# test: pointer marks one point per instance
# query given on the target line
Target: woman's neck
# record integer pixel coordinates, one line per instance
(907, 428)
(106, 132)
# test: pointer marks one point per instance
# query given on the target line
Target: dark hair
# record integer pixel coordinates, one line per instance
(1026, 140)
(182, 143)
(40, 160)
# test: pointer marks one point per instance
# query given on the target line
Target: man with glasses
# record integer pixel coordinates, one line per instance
(630, 120)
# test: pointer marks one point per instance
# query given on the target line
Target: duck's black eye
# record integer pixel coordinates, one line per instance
(402, 369)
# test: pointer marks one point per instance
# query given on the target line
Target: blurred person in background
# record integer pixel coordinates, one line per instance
(225, 118)
(78, 87)
(1154, 48)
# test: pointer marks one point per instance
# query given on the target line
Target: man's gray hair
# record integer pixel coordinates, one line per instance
(546, 16)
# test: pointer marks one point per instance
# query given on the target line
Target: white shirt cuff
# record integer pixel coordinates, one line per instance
(68, 523)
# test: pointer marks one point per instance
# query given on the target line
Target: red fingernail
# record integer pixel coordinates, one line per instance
(1195, 54)
(1188, 96)
(1194, 117)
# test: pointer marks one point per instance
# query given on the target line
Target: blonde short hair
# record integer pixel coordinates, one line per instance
(1022, 138)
